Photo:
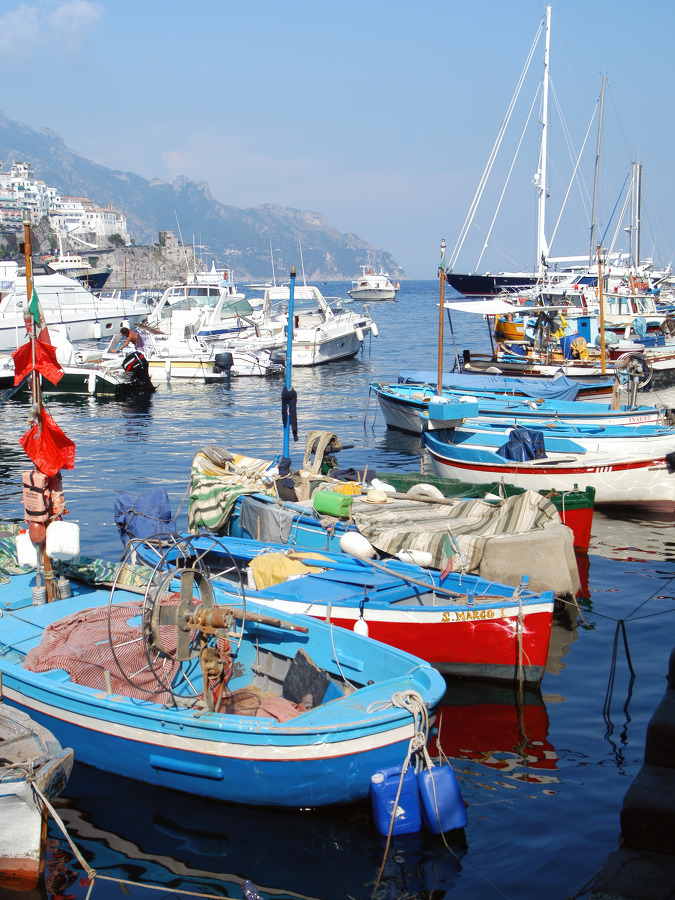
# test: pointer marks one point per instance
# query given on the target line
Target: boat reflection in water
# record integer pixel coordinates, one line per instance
(150, 836)
(494, 725)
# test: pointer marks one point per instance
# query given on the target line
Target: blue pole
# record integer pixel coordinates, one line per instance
(289, 353)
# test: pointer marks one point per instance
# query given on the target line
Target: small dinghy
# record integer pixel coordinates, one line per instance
(33, 765)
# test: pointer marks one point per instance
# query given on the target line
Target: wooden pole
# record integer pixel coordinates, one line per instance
(44, 562)
(441, 273)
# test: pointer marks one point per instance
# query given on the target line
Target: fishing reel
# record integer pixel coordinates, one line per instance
(184, 634)
(632, 370)
(633, 367)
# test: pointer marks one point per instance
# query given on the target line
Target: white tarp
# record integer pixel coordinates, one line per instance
(484, 307)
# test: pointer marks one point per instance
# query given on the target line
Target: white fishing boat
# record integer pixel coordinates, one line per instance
(631, 467)
(63, 301)
(373, 286)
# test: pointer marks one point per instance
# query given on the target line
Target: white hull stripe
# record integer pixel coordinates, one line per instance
(221, 749)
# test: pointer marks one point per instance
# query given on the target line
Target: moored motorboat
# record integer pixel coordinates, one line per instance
(64, 302)
(373, 286)
(323, 331)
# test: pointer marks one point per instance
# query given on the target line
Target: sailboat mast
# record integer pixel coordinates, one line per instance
(540, 177)
(597, 172)
(636, 204)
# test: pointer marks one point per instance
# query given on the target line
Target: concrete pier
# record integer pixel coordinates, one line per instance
(643, 868)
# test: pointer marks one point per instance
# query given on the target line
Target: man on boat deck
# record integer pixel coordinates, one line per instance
(132, 337)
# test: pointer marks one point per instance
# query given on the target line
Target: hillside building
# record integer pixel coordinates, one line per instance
(73, 216)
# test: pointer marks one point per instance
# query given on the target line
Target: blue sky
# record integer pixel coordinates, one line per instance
(379, 115)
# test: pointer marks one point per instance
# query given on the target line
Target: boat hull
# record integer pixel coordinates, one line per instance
(323, 756)
(365, 294)
(645, 482)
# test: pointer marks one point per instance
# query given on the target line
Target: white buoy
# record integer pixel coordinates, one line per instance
(97, 331)
(356, 544)
(373, 329)
(91, 383)
(359, 333)
(361, 626)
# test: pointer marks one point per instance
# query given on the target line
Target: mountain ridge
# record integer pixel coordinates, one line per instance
(238, 237)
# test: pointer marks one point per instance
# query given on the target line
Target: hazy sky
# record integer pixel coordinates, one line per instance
(379, 115)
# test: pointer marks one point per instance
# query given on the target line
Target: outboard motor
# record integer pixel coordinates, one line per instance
(222, 363)
(136, 365)
(278, 356)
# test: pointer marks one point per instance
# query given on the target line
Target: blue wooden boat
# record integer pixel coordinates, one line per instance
(414, 407)
(625, 465)
(463, 624)
(235, 702)
(553, 387)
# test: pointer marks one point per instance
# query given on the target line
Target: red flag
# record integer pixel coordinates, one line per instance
(47, 446)
(45, 361)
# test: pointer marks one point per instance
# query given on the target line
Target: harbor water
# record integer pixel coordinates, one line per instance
(543, 774)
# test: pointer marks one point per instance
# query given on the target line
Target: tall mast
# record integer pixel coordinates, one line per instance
(597, 171)
(541, 175)
(635, 214)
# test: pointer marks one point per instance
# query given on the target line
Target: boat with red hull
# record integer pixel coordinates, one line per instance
(463, 624)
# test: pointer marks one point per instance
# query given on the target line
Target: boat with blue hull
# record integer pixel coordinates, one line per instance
(413, 408)
(238, 703)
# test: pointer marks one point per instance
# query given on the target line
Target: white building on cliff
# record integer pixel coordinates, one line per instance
(76, 216)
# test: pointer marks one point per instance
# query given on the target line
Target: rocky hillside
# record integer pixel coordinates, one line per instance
(232, 236)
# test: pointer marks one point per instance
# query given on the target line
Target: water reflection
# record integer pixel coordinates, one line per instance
(148, 835)
(497, 726)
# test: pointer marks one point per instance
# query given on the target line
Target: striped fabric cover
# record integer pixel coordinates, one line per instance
(215, 486)
(413, 525)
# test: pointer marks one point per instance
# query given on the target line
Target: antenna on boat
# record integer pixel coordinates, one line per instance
(302, 263)
(180, 235)
(274, 278)
(441, 275)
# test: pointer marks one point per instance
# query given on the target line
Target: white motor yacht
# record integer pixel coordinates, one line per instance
(63, 301)
(371, 286)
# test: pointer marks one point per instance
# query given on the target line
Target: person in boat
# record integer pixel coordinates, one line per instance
(131, 337)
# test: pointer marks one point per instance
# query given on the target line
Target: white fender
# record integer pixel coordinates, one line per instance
(91, 383)
(418, 557)
(359, 333)
(373, 330)
(97, 330)
(167, 368)
(361, 626)
(356, 544)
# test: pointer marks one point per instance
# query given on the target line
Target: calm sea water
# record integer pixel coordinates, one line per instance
(544, 779)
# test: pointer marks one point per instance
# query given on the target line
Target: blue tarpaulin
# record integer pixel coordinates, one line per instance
(560, 388)
(143, 514)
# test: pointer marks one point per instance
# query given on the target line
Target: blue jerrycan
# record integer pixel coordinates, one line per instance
(442, 805)
(406, 813)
